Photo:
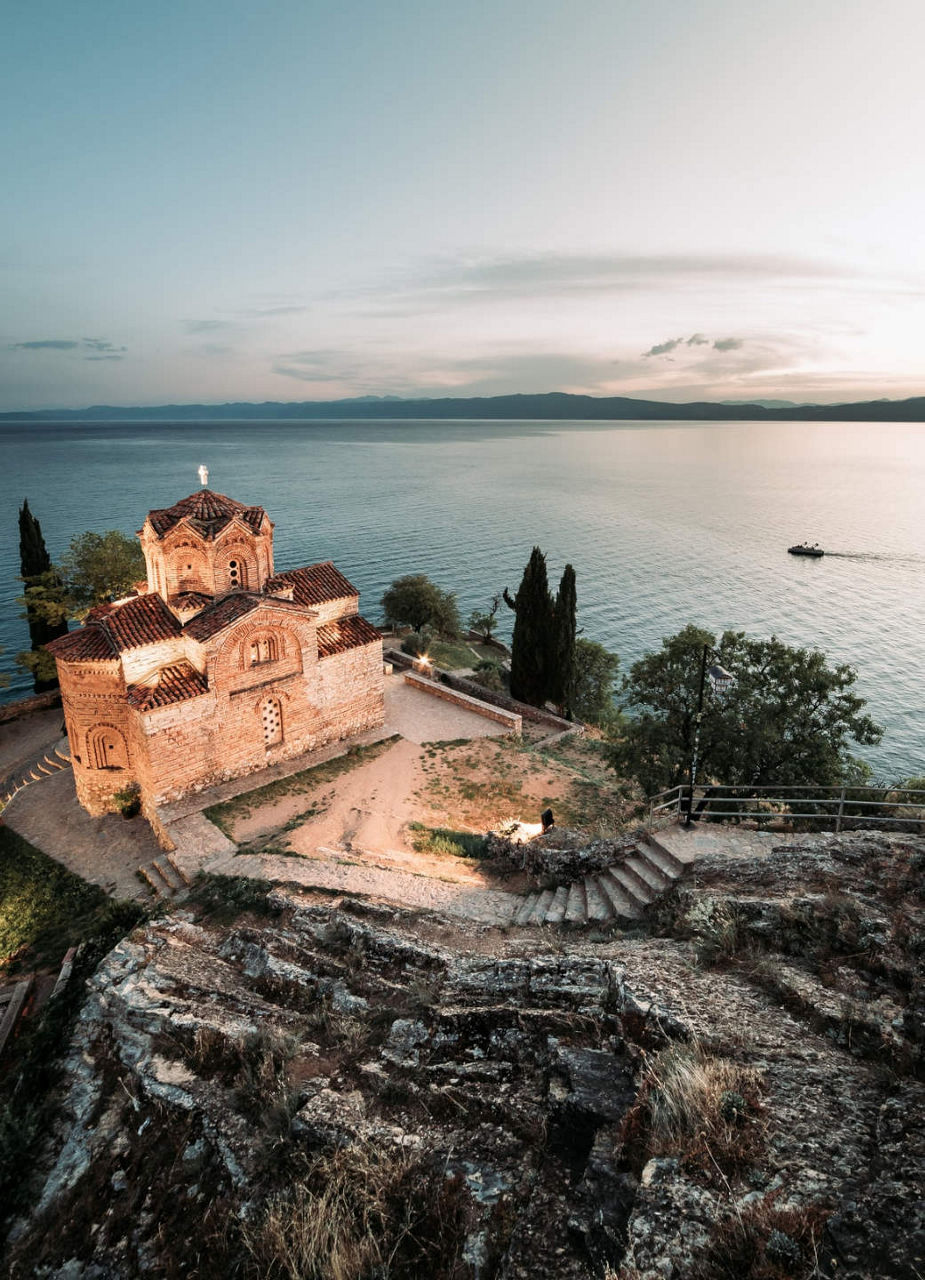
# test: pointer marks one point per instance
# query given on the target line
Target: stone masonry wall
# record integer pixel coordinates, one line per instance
(97, 718)
(195, 744)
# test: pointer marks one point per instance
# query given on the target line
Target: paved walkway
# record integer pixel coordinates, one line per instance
(22, 740)
(699, 840)
(106, 851)
(414, 892)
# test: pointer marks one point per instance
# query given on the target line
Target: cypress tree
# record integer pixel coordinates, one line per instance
(562, 687)
(532, 642)
(35, 566)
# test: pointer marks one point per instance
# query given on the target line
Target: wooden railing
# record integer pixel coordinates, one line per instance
(835, 806)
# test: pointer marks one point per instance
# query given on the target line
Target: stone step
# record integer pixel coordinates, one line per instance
(52, 763)
(181, 874)
(576, 909)
(63, 751)
(555, 912)
(525, 911)
(634, 886)
(648, 873)
(43, 768)
(151, 882)
(666, 862)
(171, 880)
(538, 915)
(622, 902)
(598, 907)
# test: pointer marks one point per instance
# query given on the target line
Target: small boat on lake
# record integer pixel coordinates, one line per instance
(804, 549)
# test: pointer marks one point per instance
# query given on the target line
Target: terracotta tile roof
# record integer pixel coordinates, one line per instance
(143, 620)
(174, 684)
(86, 644)
(315, 584)
(346, 633)
(220, 614)
(206, 511)
(187, 600)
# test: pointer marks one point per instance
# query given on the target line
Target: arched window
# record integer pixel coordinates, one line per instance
(264, 649)
(106, 748)
(272, 718)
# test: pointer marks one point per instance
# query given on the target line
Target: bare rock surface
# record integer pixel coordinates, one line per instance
(467, 1102)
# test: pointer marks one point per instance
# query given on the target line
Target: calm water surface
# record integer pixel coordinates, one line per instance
(665, 523)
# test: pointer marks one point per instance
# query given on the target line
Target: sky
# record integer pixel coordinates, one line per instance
(310, 200)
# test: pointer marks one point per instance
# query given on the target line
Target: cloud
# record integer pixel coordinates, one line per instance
(662, 348)
(317, 366)
(697, 340)
(207, 326)
(487, 279)
(260, 313)
(101, 349)
(45, 344)
(98, 344)
(727, 344)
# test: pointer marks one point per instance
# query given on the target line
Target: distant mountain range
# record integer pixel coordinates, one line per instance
(552, 405)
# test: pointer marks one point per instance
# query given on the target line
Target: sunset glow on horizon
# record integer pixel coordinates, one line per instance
(660, 198)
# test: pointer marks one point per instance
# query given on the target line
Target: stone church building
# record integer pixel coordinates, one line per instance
(220, 667)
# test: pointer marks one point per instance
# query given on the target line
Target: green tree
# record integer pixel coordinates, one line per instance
(593, 689)
(36, 571)
(787, 719)
(562, 673)
(532, 645)
(417, 602)
(100, 567)
(484, 623)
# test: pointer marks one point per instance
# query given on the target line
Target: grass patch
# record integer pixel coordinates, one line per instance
(706, 1111)
(442, 841)
(359, 1211)
(222, 899)
(44, 908)
(225, 815)
(451, 654)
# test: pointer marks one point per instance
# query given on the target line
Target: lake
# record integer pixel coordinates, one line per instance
(665, 523)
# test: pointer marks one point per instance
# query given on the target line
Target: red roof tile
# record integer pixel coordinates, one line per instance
(187, 600)
(206, 511)
(138, 622)
(346, 633)
(315, 584)
(215, 617)
(86, 644)
(174, 684)
(143, 620)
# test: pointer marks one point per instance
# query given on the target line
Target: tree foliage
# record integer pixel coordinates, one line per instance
(562, 674)
(787, 719)
(532, 645)
(484, 622)
(100, 567)
(593, 685)
(417, 602)
(35, 570)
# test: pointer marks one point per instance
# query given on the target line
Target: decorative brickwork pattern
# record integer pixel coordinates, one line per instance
(221, 668)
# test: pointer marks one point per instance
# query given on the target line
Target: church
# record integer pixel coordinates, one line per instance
(218, 666)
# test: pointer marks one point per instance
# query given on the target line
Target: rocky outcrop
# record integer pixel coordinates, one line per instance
(268, 1075)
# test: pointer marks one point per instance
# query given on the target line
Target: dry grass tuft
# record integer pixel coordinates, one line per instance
(358, 1212)
(704, 1110)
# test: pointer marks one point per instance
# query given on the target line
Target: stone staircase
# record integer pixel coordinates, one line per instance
(51, 761)
(618, 893)
(164, 876)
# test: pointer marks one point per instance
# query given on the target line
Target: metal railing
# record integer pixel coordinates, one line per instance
(841, 806)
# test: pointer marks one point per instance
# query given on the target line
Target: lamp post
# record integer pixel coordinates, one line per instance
(720, 680)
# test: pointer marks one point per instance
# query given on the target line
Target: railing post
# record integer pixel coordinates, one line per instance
(841, 810)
